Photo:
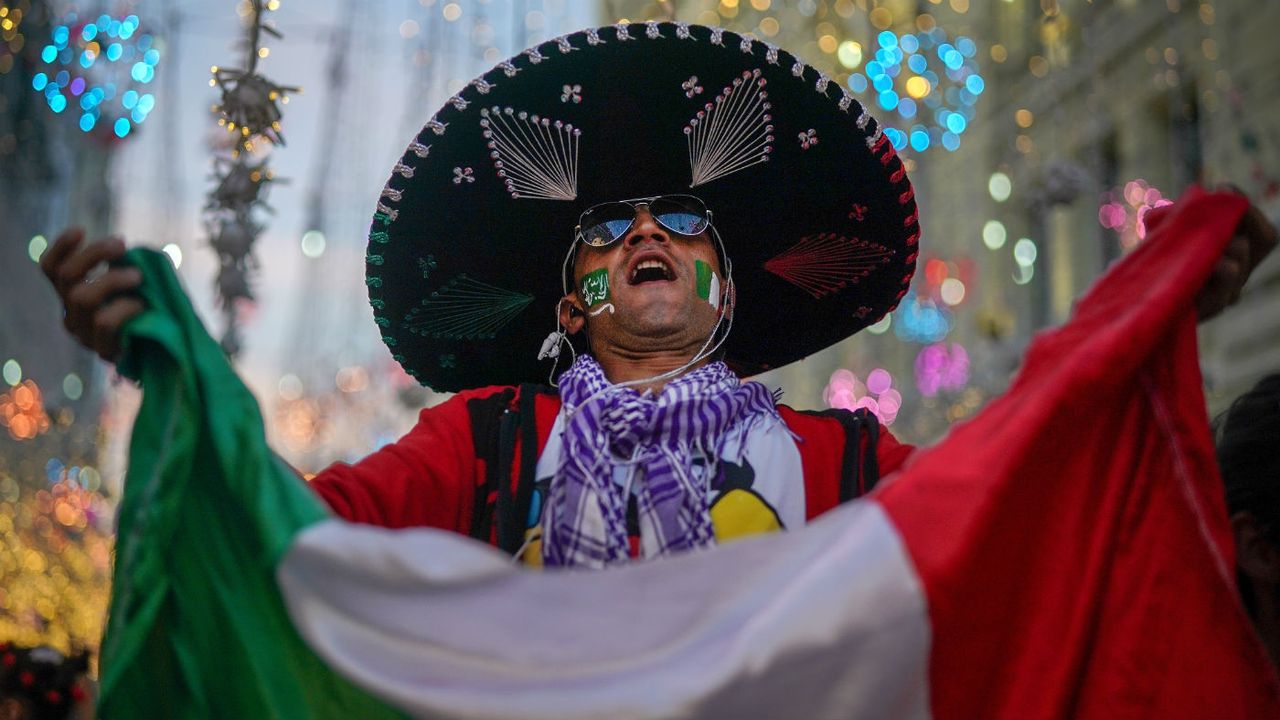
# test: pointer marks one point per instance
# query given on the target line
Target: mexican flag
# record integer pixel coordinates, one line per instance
(1064, 554)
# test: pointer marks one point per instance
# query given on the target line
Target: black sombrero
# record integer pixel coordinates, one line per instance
(811, 200)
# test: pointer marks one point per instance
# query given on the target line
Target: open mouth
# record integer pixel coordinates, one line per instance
(651, 270)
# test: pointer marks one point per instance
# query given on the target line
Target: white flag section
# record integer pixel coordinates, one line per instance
(829, 621)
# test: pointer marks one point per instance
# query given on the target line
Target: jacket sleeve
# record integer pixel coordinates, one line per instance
(426, 478)
(891, 453)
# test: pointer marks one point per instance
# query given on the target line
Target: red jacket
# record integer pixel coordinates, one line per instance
(445, 473)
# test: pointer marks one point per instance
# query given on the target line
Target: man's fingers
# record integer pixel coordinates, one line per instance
(1262, 235)
(85, 299)
(107, 324)
(53, 257)
(74, 268)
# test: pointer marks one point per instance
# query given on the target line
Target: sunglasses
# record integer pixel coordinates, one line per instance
(606, 223)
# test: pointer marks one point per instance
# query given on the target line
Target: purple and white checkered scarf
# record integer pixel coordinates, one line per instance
(657, 438)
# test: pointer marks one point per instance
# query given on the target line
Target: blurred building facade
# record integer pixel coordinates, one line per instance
(1089, 113)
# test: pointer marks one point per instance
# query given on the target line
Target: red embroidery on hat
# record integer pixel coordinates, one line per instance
(912, 218)
(53, 696)
(859, 212)
(27, 678)
(905, 197)
(897, 175)
(9, 660)
(862, 312)
(912, 239)
(77, 693)
(824, 263)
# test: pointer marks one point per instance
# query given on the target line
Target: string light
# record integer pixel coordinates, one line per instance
(11, 38)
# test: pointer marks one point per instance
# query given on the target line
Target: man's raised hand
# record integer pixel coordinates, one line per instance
(1254, 238)
(96, 303)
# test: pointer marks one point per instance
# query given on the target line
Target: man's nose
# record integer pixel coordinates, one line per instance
(645, 228)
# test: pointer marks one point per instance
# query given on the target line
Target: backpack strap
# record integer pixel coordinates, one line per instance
(487, 418)
(859, 467)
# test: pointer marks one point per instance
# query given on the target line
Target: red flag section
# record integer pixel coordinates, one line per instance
(1072, 539)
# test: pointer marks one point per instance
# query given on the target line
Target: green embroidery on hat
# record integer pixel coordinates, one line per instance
(448, 361)
(595, 287)
(380, 236)
(383, 321)
(465, 309)
(382, 218)
(378, 304)
(390, 341)
(373, 281)
(426, 265)
(373, 259)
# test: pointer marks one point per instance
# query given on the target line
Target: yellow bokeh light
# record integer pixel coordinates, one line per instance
(263, 52)
(881, 18)
(1206, 13)
(1209, 48)
(1023, 143)
(998, 53)
(1038, 66)
(917, 87)
(760, 5)
(845, 8)
(709, 17)
(1024, 118)
(960, 6)
(827, 43)
(925, 22)
(769, 26)
(452, 12)
(850, 54)
(729, 3)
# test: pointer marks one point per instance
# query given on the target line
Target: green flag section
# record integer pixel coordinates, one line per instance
(197, 628)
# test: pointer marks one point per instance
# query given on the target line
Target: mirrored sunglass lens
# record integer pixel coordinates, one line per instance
(679, 216)
(603, 225)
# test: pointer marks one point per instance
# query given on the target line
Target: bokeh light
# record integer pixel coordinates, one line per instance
(1024, 252)
(1000, 186)
(313, 243)
(941, 367)
(95, 66)
(845, 391)
(12, 372)
(1124, 210)
(175, 254)
(36, 247)
(994, 234)
(931, 84)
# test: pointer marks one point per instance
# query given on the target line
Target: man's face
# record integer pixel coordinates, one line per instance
(652, 284)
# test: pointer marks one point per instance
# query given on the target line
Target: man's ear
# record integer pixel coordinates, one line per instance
(1256, 555)
(571, 315)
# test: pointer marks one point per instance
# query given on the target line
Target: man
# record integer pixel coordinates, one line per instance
(1247, 455)
(822, 228)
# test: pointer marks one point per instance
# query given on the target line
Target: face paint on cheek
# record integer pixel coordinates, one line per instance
(595, 290)
(595, 287)
(708, 283)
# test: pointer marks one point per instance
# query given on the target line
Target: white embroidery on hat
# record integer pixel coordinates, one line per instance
(651, 30)
(460, 174)
(402, 169)
(571, 93)
(771, 55)
(419, 149)
(508, 68)
(535, 55)
(436, 126)
(691, 86)
(682, 31)
(863, 119)
(562, 42)
(535, 157)
(593, 37)
(392, 194)
(874, 137)
(484, 86)
(846, 100)
(458, 103)
(821, 84)
(623, 32)
(798, 69)
(808, 139)
(717, 36)
(388, 211)
(745, 45)
(731, 133)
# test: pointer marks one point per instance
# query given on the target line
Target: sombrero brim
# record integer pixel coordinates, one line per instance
(811, 200)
